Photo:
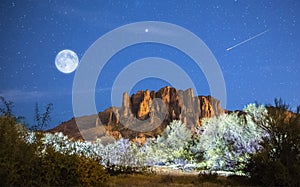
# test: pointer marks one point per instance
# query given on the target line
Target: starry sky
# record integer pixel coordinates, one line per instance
(33, 32)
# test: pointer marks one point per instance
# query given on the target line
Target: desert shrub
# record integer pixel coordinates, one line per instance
(42, 119)
(31, 162)
(70, 163)
(91, 173)
(279, 162)
(125, 156)
(171, 146)
(6, 107)
(124, 153)
(57, 169)
(122, 156)
(16, 157)
(227, 141)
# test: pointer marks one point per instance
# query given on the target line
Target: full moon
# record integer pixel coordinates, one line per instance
(66, 61)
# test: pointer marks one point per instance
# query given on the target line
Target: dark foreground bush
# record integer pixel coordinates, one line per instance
(278, 164)
(24, 164)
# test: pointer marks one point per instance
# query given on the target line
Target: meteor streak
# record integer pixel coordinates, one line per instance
(251, 38)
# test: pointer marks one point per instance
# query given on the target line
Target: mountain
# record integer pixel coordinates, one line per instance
(143, 114)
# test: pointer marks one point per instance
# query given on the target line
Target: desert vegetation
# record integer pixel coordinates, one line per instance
(260, 144)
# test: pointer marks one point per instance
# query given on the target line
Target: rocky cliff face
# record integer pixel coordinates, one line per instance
(180, 105)
(146, 114)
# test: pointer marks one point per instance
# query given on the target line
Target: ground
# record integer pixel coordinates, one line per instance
(166, 177)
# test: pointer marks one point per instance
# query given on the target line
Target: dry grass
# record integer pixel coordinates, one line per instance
(149, 180)
(152, 180)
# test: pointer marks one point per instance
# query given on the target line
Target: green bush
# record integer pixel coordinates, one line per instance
(16, 157)
(91, 173)
(279, 162)
(58, 169)
(31, 164)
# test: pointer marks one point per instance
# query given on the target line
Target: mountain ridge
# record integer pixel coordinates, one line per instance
(142, 115)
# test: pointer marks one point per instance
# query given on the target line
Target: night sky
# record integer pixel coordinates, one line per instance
(260, 69)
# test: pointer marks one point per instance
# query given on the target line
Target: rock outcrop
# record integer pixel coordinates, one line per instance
(180, 105)
(146, 113)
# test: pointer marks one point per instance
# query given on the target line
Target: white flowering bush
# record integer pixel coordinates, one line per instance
(124, 152)
(121, 152)
(258, 113)
(225, 143)
(171, 146)
(228, 140)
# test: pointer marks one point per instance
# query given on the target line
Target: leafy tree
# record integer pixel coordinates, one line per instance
(279, 162)
(227, 141)
(171, 145)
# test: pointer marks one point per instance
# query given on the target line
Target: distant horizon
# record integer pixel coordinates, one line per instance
(293, 108)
